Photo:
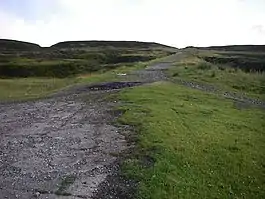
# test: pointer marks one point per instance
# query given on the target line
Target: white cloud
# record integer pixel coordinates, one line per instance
(173, 22)
(260, 29)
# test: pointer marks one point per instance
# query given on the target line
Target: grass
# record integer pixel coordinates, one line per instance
(110, 75)
(201, 145)
(31, 88)
(223, 76)
(66, 63)
(28, 88)
(66, 182)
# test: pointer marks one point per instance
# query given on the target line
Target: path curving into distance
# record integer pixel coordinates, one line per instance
(66, 146)
(63, 146)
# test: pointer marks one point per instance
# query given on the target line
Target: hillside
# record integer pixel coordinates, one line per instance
(22, 59)
(132, 120)
(114, 44)
(11, 45)
(250, 48)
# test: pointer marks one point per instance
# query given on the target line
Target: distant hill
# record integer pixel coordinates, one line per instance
(252, 48)
(22, 59)
(115, 44)
(13, 45)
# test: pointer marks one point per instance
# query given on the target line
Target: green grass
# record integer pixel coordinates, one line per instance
(202, 146)
(28, 88)
(68, 63)
(66, 182)
(223, 76)
(110, 75)
(33, 87)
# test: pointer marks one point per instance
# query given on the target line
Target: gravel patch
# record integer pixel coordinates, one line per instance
(57, 148)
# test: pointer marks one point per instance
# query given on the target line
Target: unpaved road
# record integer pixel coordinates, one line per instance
(55, 147)
(65, 146)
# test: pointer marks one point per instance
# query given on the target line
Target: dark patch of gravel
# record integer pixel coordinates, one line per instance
(116, 185)
(109, 86)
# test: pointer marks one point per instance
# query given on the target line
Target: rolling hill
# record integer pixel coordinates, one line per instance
(114, 44)
(14, 45)
(23, 59)
(249, 48)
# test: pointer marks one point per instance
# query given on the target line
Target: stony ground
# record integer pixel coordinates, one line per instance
(57, 147)
(66, 146)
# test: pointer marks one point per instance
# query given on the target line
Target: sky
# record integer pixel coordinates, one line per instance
(178, 23)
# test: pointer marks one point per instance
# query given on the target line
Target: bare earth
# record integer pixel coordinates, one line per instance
(66, 146)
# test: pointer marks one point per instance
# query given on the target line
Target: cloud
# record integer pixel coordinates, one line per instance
(260, 29)
(173, 22)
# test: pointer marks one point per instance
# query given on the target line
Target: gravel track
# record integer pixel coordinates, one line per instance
(57, 148)
(66, 146)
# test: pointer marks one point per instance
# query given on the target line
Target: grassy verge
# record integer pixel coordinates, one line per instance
(66, 63)
(110, 75)
(30, 88)
(223, 76)
(193, 145)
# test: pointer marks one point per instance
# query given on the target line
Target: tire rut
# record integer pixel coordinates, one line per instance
(240, 100)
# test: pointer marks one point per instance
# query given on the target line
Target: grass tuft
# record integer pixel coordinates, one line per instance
(66, 182)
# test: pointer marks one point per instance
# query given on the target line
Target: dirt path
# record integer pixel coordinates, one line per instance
(65, 146)
(57, 147)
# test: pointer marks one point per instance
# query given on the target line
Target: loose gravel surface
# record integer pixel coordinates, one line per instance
(66, 146)
(57, 148)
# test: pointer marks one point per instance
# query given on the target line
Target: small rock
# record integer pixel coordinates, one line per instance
(37, 194)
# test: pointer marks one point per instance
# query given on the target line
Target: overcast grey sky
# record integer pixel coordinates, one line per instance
(178, 23)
